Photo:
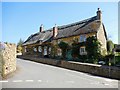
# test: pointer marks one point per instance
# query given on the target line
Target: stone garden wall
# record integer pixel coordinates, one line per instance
(100, 70)
(7, 58)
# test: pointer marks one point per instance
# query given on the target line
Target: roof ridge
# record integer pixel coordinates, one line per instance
(76, 23)
(73, 24)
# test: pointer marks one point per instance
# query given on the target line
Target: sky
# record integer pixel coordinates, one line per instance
(21, 19)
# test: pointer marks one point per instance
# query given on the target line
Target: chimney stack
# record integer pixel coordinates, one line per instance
(55, 31)
(41, 28)
(99, 14)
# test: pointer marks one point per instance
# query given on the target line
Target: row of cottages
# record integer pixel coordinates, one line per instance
(44, 42)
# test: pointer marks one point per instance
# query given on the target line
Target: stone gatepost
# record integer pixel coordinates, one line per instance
(7, 58)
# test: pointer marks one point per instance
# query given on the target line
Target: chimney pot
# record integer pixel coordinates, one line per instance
(41, 28)
(99, 14)
(55, 31)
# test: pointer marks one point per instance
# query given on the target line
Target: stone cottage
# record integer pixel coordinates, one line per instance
(41, 43)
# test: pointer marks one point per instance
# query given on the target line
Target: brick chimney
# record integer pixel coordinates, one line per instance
(55, 31)
(41, 28)
(99, 14)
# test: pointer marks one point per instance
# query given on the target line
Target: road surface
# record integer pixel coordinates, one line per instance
(35, 75)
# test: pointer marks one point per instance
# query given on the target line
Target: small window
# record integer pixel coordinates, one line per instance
(59, 52)
(45, 50)
(35, 49)
(82, 50)
(82, 38)
(59, 41)
(40, 49)
(49, 49)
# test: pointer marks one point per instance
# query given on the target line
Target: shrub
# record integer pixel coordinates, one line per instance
(64, 46)
(93, 48)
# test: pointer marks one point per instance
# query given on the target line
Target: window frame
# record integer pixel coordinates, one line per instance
(82, 50)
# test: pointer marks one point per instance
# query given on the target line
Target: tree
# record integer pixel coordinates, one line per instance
(19, 46)
(63, 46)
(110, 46)
(20, 42)
(93, 48)
(54, 50)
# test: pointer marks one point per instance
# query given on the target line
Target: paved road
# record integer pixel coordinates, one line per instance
(35, 75)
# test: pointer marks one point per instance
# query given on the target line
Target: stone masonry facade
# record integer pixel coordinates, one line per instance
(7, 58)
(45, 42)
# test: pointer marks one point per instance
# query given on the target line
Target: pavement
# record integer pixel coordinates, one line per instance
(35, 75)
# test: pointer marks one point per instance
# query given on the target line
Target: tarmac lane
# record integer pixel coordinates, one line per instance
(36, 75)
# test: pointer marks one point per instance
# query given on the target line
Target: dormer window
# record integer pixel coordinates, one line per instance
(82, 38)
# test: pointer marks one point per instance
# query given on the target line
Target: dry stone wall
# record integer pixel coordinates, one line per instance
(7, 58)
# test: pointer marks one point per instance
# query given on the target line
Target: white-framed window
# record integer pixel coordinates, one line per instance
(82, 38)
(35, 49)
(59, 52)
(45, 50)
(59, 41)
(39, 49)
(49, 49)
(82, 51)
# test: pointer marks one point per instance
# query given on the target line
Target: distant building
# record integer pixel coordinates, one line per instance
(117, 48)
(41, 43)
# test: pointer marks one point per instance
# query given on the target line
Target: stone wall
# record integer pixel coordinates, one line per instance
(102, 39)
(105, 71)
(7, 58)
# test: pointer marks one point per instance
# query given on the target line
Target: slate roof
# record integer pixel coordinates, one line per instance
(77, 28)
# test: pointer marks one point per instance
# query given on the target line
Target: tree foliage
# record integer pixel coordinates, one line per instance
(20, 42)
(19, 46)
(76, 47)
(63, 46)
(110, 46)
(93, 48)
(54, 50)
(75, 50)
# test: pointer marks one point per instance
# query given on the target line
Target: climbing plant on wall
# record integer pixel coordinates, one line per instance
(53, 50)
(93, 49)
(63, 46)
(76, 47)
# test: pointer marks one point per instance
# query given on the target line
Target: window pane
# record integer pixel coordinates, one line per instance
(82, 38)
(40, 49)
(35, 50)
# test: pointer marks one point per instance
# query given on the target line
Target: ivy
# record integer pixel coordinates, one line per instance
(63, 46)
(93, 48)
